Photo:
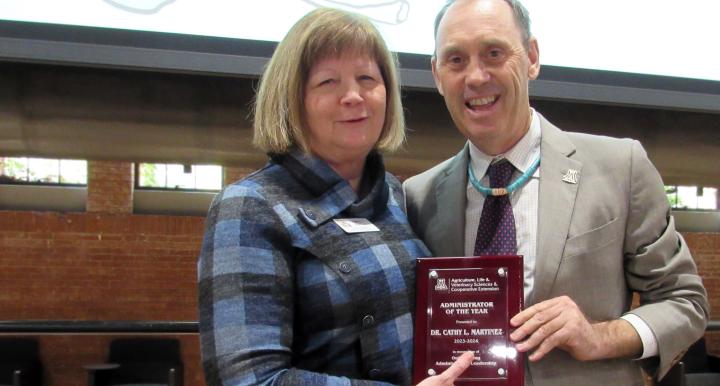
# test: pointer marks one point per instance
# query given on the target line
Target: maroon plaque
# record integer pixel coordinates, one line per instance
(465, 304)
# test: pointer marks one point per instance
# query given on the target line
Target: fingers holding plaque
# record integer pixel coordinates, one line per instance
(465, 304)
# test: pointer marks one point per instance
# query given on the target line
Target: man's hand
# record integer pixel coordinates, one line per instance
(559, 323)
(447, 377)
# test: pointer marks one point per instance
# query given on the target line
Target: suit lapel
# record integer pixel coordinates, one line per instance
(556, 201)
(451, 200)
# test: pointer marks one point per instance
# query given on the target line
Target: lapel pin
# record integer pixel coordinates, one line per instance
(571, 176)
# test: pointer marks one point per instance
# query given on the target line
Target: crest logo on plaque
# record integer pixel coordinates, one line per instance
(440, 285)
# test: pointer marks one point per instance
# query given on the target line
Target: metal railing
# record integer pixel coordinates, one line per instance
(96, 327)
(124, 326)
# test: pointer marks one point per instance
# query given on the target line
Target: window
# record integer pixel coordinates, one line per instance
(179, 177)
(43, 171)
(692, 197)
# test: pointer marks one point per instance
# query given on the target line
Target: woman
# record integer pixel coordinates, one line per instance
(307, 267)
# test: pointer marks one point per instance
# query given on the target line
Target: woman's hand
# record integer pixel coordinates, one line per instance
(447, 377)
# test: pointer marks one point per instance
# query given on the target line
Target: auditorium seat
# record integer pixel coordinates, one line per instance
(20, 362)
(139, 362)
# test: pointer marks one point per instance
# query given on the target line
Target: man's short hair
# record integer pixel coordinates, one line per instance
(522, 18)
(279, 108)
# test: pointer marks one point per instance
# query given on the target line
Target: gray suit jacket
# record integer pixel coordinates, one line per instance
(599, 240)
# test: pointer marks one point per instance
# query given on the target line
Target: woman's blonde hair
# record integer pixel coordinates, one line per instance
(322, 33)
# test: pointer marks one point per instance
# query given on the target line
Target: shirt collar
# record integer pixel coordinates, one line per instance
(521, 156)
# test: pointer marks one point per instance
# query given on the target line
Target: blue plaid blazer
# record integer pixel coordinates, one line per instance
(288, 298)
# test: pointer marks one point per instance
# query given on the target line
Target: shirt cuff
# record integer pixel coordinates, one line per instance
(650, 346)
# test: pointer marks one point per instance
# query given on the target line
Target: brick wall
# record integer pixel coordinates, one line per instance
(706, 251)
(109, 264)
(232, 174)
(98, 266)
(110, 187)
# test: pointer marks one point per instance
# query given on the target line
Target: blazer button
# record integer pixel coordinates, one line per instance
(368, 321)
(374, 373)
(345, 267)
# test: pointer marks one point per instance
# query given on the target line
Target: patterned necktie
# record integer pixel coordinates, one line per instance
(496, 231)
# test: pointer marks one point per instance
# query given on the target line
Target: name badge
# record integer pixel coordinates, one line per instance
(356, 225)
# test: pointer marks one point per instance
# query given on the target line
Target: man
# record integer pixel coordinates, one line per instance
(588, 213)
